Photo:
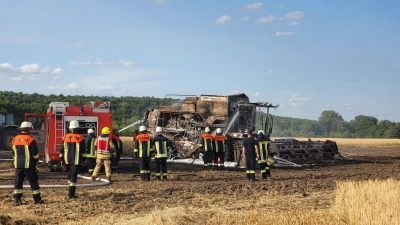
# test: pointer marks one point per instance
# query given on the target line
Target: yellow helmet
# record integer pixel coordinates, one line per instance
(105, 130)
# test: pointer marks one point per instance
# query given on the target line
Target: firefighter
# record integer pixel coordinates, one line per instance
(143, 149)
(263, 146)
(219, 149)
(161, 145)
(250, 153)
(118, 149)
(104, 149)
(72, 153)
(206, 147)
(90, 140)
(26, 155)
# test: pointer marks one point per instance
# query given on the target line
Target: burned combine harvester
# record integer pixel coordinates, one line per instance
(185, 121)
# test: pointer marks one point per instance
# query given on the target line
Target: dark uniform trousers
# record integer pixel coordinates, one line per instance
(91, 163)
(31, 175)
(221, 156)
(145, 168)
(251, 168)
(161, 165)
(207, 159)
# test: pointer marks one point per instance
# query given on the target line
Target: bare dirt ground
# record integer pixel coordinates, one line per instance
(128, 197)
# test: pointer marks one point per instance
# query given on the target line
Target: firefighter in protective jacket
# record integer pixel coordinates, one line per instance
(161, 145)
(104, 149)
(219, 149)
(263, 146)
(90, 150)
(206, 147)
(26, 155)
(144, 149)
(72, 153)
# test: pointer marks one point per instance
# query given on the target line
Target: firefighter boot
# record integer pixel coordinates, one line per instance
(17, 200)
(158, 177)
(164, 177)
(109, 179)
(71, 192)
(248, 176)
(268, 172)
(38, 199)
(147, 177)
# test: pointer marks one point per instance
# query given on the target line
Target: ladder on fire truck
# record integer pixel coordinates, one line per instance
(59, 109)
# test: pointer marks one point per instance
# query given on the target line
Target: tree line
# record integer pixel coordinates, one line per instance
(128, 109)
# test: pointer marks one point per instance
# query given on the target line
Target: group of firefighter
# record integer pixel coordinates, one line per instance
(106, 149)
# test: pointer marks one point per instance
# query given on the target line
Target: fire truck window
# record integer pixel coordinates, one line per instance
(2, 119)
(37, 122)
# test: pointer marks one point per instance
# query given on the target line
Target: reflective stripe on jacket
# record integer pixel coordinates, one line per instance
(25, 151)
(104, 147)
(143, 145)
(73, 149)
(161, 144)
(206, 142)
(219, 143)
(263, 145)
(90, 143)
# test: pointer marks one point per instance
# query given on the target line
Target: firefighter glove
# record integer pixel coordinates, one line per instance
(37, 168)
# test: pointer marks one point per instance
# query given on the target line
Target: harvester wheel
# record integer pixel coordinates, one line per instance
(6, 138)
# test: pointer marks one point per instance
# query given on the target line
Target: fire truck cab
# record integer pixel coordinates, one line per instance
(49, 129)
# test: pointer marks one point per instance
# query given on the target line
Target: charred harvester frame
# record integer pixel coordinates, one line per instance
(184, 122)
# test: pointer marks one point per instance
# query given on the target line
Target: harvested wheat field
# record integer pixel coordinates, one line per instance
(362, 189)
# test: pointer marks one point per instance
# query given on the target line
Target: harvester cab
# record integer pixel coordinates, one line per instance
(8, 130)
(50, 128)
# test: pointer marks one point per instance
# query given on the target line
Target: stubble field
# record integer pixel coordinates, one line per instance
(338, 192)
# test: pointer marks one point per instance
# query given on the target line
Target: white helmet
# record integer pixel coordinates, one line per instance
(260, 132)
(73, 124)
(90, 131)
(159, 129)
(207, 129)
(218, 131)
(142, 128)
(25, 125)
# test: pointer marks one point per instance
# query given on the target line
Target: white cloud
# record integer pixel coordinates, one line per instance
(395, 64)
(223, 19)
(234, 92)
(294, 23)
(245, 18)
(281, 5)
(158, 1)
(102, 88)
(252, 7)
(19, 78)
(269, 73)
(295, 15)
(256, 94)
(295, 100)
(57, 78)
(45, 70)
(98, 63)
(57, 71)
(278, 33)
(74, 63)
(29, 68)
(126, 63)
(6, 66)
(72, 86)
(267, 20)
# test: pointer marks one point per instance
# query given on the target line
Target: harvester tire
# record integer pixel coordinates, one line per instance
(6, 138)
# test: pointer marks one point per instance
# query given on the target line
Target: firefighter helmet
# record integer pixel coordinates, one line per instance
(90, 131)
(218, 131)
(105, 130)
(142, 128)
(73, 124)
(158, 129)
(260, 132)
(207, 129)
(25, 126)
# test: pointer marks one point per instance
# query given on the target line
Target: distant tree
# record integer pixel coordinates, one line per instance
(331, 121)
(364, 126)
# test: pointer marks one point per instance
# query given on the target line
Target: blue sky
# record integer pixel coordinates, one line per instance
(305, 55)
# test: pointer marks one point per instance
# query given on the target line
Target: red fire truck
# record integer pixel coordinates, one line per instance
(49, 128)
